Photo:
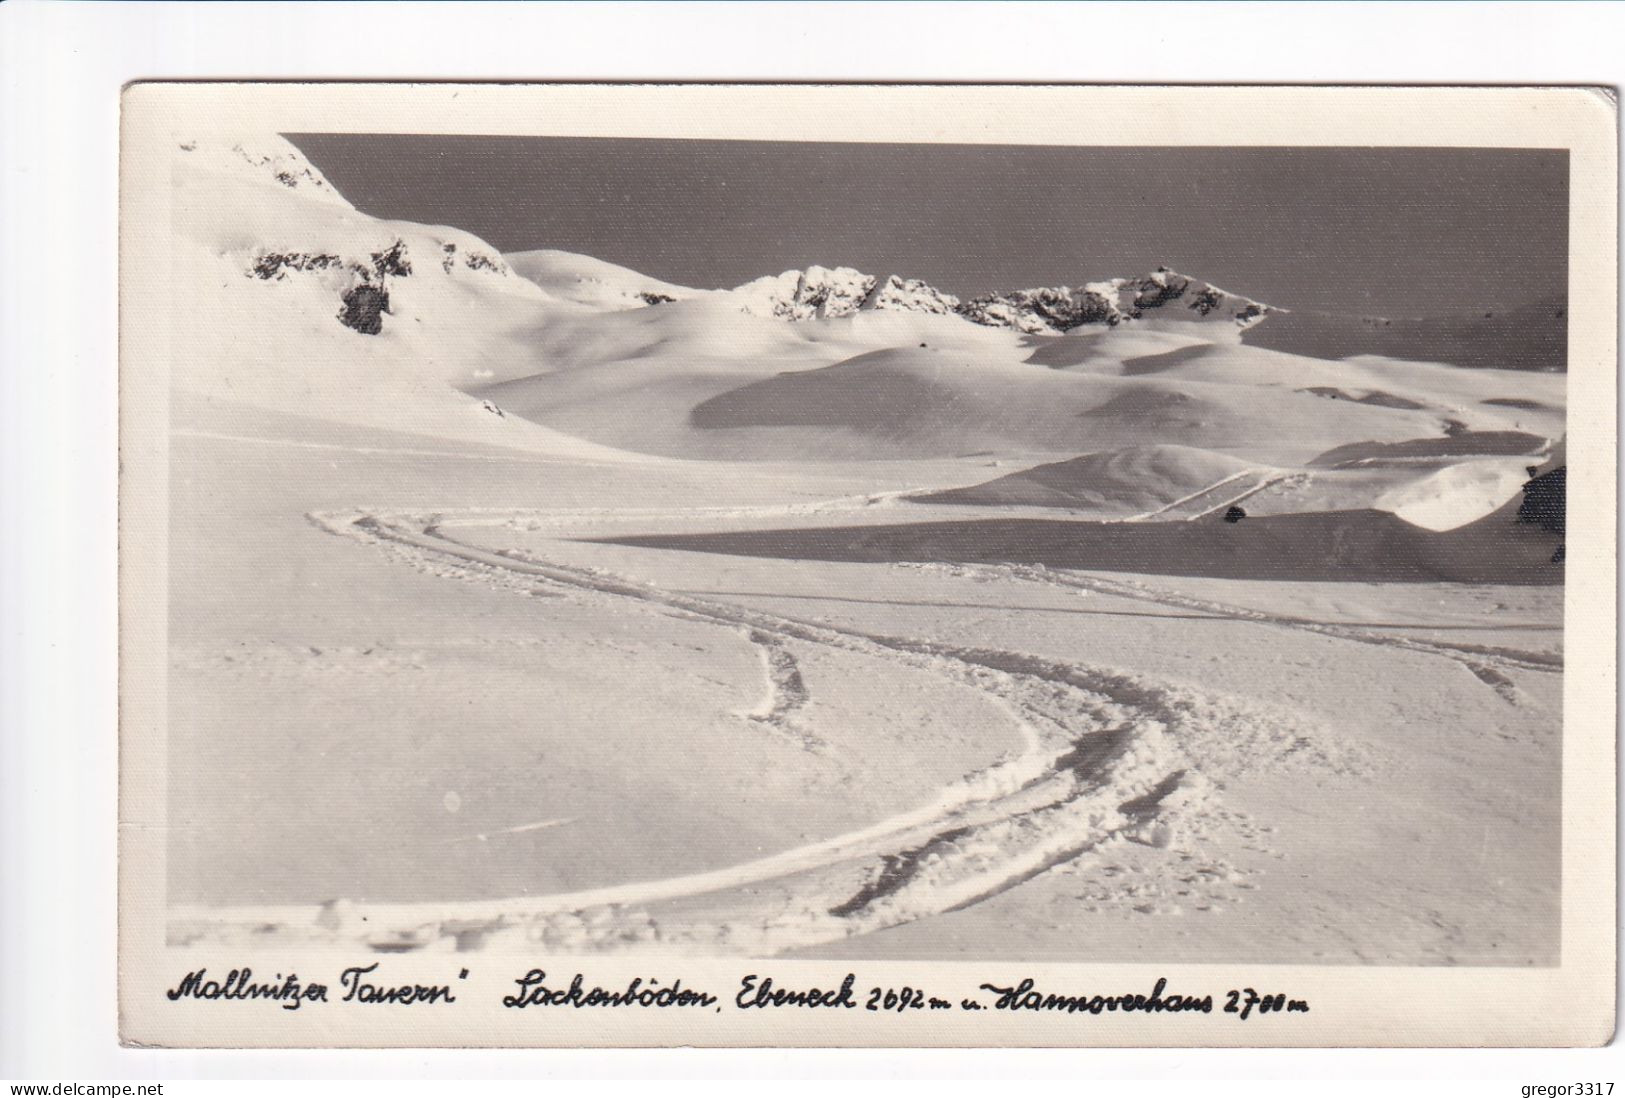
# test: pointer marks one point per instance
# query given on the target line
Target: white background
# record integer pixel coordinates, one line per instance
(61, 67)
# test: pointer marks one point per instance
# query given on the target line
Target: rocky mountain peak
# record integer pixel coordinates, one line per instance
(1045, 310)
(817, 292)
(909, 295)
(1164, 288)
(264, 159)
(822, 292)
(1163, 293)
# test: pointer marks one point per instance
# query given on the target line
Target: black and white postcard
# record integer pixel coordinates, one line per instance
(866, 565)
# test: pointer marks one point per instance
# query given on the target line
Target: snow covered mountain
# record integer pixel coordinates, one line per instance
(289, 298)
(570, 276)
(1031, 580)
(1163, 293)
(1531, 337)
(815, 293)
(910, 295)
(274, 218)
(823, 292)
(1046, 310)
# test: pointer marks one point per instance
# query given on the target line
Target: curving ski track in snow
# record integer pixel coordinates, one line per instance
(1096, 763)
(786, 692)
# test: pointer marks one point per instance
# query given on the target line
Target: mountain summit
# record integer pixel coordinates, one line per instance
(822, 292)
(1162, 293)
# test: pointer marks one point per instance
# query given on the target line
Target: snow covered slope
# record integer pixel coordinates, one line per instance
(292, 300)
(1132, 481)
(569, 276)
(938, 401)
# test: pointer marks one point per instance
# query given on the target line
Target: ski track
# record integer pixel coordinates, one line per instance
(1170, 508)
(1487, 663)
(786, 693)
(1096, 756)
(1198, 505)
(1097, 764)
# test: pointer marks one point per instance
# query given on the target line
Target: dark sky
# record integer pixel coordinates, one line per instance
(1393, 231)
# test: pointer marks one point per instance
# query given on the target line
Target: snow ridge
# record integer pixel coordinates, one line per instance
(823, 292)
(815, 293)
(909, 295)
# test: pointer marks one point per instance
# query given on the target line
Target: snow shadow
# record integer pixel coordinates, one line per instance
(1331, 547)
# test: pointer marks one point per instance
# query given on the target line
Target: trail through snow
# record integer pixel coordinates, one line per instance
(1108, 754)
(1097, 762)
(1477, 658)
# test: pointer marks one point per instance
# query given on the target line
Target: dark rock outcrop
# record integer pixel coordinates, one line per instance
(1040, 311)
(392, 261)
(1544, 500)
(364, 306)
(277, 264)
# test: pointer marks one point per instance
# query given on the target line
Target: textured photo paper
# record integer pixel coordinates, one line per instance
(795, 565)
